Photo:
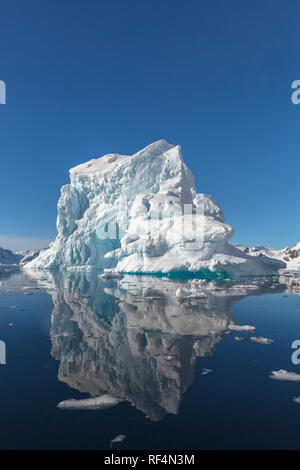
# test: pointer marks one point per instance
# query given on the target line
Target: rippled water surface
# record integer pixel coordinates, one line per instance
(179, 379)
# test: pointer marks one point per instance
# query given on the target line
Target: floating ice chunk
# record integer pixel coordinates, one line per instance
(98, 403)
(118, 438)
(261, 340)
(111, 275)
(206, 371)
(241, 327)
(30, 288)
(297, 399)
(238, 338)
(282, 374)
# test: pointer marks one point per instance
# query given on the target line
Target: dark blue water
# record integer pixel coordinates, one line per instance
(78, 336)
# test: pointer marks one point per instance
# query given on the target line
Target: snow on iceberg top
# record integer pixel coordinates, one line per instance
(109, 161)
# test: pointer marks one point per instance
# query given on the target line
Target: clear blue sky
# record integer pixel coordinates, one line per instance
(85, 78)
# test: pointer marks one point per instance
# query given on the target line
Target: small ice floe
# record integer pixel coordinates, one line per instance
(241, 327)
(261, 340)
(30, 288)
(1, 283)
(12, 306)
(118, 438)
(238, 338)
(98, 403)
(111, 275)
(10, 324)
(28, 293)
(282, 374)
(206, 371)
(296, 399)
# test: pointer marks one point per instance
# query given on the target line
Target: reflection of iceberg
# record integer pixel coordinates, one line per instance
(7, 273)
(292, 282)
(132, 338)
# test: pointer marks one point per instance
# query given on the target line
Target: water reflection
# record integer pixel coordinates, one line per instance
(134, 339)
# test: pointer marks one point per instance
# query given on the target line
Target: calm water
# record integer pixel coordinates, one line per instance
(78, 336)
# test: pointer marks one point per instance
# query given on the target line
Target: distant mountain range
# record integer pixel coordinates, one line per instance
(19, 258)
(291, 256)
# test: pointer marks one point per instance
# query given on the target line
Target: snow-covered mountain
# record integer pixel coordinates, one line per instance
(8, 257)
(290, 256)
(141, 213)
(28, 255)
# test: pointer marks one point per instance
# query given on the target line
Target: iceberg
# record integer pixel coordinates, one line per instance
(118, 438)
(142, 214)
(282, 374)
(261, 340)
(234, 327)
(206, 371)
(98, 403)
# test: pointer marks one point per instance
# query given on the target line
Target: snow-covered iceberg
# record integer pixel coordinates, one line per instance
(282, 374)
(141, 213)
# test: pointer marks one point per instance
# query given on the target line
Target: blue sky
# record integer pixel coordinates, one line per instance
(85, 78)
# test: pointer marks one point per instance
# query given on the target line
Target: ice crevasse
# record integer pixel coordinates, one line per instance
(142, 214)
